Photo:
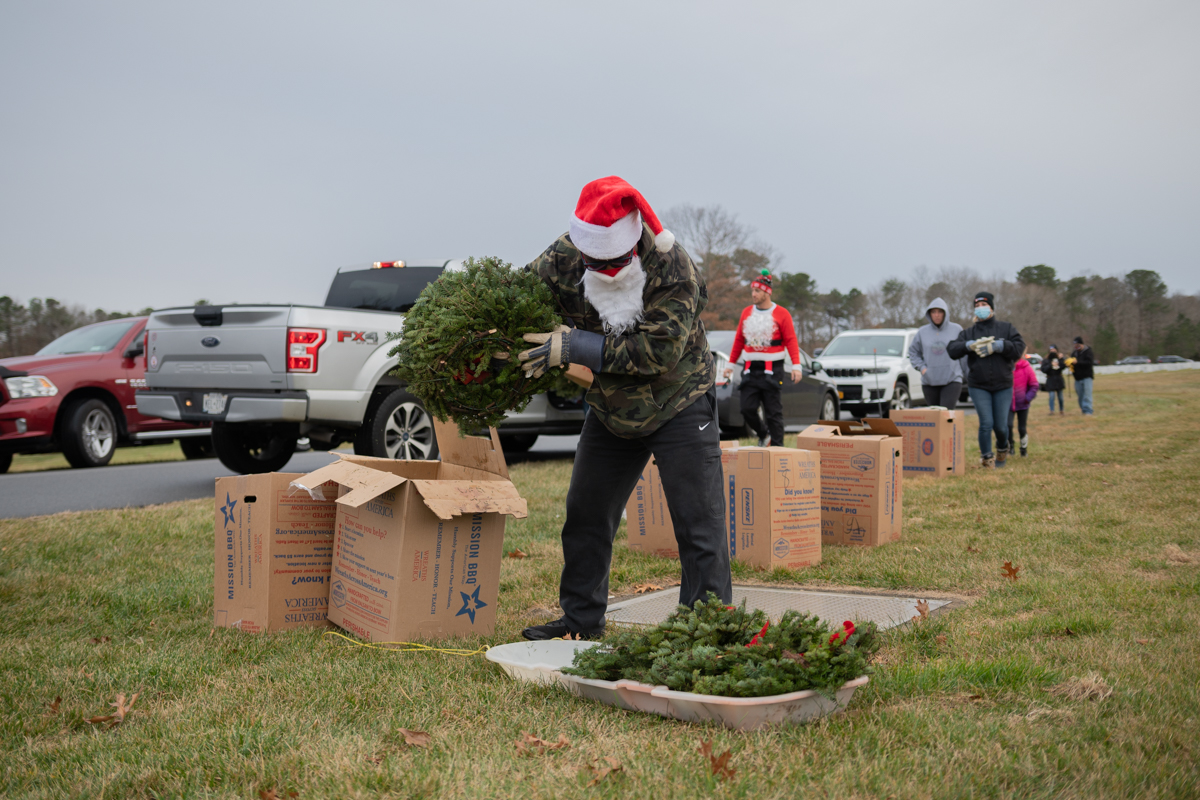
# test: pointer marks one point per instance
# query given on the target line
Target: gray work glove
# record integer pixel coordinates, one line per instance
(986, 346)
(553, 351)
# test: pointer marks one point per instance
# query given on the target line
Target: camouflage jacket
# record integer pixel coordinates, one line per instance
(653, 372)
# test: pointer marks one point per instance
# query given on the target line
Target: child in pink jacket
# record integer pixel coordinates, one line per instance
(1025, 388)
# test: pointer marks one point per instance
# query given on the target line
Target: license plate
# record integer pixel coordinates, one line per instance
(214, 403)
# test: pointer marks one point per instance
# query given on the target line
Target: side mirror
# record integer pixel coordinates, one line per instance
(816, 366)
(134, 350)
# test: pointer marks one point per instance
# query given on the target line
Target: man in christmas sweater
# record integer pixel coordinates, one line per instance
(764, 333)
(632, 299)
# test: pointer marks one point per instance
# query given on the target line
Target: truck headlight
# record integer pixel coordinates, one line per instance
(30, 386)
(876, 370)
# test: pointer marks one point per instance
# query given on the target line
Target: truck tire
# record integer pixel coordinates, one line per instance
(195, 447)
(89, 434)
(517, 442)
(251, 448)
(5, 462)
(397, 426)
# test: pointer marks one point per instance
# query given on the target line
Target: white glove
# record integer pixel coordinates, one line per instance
(983, 347)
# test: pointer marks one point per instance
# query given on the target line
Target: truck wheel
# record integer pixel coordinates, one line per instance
(250, 448)
(517, 442)
(195, 447)
(829, 409)
(89, 434)
(901, 399)
(398, 426)
(5, 462)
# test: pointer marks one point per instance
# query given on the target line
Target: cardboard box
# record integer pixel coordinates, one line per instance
(418, 544)
(861, 480)
(274, 546)
(648, 524)
(933, 441)
(773, 506)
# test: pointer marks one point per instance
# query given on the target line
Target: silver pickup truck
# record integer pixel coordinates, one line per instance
(266, 375)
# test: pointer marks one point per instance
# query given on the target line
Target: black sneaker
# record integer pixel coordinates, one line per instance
(558, 630)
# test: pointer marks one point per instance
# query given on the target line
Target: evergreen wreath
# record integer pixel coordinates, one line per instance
(725, 650)
(458, 349)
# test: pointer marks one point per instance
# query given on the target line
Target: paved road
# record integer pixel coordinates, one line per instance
(30, 494)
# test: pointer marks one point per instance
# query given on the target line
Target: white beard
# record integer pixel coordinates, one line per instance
(617, 299)
(759, 329)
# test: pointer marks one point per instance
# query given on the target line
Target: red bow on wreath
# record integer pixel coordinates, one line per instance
(759, 635)
(844, 634)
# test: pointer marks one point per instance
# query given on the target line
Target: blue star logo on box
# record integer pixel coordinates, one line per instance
(227, 509)
(471, 604)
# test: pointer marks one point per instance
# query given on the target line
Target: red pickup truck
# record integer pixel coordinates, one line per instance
(77, 395)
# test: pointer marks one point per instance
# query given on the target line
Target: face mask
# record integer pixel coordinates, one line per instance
(983, 312)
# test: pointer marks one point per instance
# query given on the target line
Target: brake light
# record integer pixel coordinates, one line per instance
(387, 264)
(302, 344)
(145, 350)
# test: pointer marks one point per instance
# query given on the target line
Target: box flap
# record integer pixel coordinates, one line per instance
(867, 426)
(450, 498)
(470, 451)
(363, 482)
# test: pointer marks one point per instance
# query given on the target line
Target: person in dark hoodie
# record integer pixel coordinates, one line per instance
(1053, 365)
(941, 376)
(992, 348)
(1085, 360)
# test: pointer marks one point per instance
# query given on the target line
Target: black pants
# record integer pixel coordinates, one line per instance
(765, 388)
(688, 454)
(1022, 429)
(942, 395)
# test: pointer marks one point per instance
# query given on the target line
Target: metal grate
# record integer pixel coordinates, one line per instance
(885, 611)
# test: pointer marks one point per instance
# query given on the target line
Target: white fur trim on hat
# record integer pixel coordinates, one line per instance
(603, 243)
(664, 241)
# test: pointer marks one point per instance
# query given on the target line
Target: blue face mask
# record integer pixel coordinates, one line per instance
(983, 312)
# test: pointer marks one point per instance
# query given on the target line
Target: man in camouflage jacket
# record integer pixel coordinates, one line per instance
(652, 395)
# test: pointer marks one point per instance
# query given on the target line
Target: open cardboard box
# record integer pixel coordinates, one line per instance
(934, 441)
(418, 544)
(861, 480)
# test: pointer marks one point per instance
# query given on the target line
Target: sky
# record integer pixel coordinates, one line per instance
(152, 154)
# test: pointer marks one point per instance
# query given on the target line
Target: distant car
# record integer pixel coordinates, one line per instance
(76, 395)
(814, 398)
(1133, 360)
(1035, 361)
(1173, 360)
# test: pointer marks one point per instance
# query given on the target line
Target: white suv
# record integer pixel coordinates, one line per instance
(872, 370)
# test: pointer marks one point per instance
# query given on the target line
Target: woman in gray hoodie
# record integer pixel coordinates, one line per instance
(941, 375)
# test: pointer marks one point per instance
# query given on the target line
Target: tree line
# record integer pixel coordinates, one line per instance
(1131, 314)
(25, 329)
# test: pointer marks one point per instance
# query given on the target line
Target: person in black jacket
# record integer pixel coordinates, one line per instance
(1082, 370)
(992, 348)
(1053, 365)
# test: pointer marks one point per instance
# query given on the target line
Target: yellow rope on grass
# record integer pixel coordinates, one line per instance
(410, 647)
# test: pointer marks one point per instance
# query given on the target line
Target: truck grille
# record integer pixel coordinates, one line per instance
(844, 373)
(851, 392)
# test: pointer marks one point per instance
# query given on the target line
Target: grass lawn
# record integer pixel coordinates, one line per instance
(1079, 679)
(124, 455)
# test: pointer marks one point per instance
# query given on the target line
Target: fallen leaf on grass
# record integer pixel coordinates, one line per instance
(940, 638)
(642, 588)
(972, 550)
(599, 773)
(529, 745)
(1175, 555)
(516, 554)
(1050, 518)
(1143, 641)
(717, 765)
(100, 639)
(1097, 463)
(1010, 571)
(415, 738)
(979, 517)
(1106, 483)
(922, 609)
(53, 707)
(1089, 687)
(121, 709)
(917, 549)
(271, 794)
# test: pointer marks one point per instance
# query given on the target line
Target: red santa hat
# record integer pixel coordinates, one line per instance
(607, 225)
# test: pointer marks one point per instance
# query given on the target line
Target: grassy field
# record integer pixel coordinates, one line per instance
(124, 455)
(1079, 679)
